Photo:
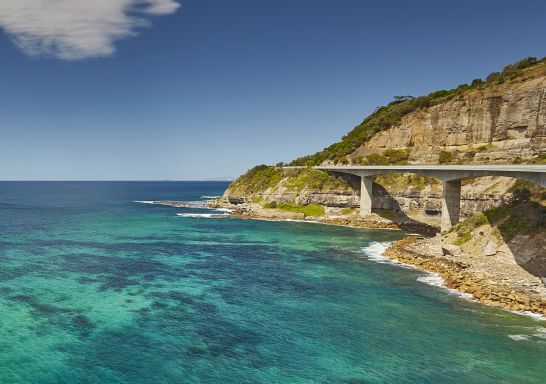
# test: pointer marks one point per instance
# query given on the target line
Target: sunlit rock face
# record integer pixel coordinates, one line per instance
(495, 124)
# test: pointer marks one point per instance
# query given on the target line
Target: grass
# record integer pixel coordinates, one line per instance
(307, 210)
(387, 213)
(465, 228)
(516, 226)
(445, 157)
(510, 220)
(389, 156)
(258, 179)
(310, 178)
(540, 159)
(347, 211)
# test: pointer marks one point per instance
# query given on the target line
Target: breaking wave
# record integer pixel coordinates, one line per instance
(434, 279)
(202, 215)
(374, 251)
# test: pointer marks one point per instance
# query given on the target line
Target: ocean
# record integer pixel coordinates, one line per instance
(100, 285)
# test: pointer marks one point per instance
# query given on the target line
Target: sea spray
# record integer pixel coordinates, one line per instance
(375, 252)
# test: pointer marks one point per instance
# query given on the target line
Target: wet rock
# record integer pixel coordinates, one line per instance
(488, 281)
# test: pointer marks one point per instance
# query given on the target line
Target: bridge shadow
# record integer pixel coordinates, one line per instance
(390, 208)
(400, 218)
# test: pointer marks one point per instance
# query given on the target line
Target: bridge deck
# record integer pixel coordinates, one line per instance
(433, 167)
(452, 175)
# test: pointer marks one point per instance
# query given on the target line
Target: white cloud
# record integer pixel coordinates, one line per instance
(77, 29)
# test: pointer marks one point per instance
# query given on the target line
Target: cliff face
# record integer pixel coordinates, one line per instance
(496, 124)
(502, 121)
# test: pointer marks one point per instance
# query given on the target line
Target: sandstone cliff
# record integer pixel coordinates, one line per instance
(502, 120)
(499, 124)
(497, 252)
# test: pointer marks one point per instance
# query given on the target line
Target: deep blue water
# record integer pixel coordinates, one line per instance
(95, 288)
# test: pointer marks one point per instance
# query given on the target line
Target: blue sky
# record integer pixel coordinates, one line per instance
(148, 89)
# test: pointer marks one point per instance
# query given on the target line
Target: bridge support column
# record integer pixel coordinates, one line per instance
(365, 196)
(451, 204)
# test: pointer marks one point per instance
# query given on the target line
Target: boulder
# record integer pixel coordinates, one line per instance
(490, 248)
(451, 250)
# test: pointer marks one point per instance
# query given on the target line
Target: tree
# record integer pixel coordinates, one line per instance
(493, 76)
(399, 99)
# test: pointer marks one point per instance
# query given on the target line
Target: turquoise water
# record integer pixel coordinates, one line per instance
(95, 288)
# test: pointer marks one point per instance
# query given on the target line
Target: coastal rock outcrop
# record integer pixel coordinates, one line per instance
(497, 253)
(496, 124)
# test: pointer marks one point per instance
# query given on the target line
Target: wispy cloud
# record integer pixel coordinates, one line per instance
(77, 29)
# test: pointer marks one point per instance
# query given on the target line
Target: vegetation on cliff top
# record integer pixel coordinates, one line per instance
(263, 177)
(388, 116)
(257, 179)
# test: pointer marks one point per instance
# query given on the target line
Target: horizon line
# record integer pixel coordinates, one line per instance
(119, 181)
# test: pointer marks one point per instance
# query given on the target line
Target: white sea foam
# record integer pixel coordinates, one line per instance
(374, 251)
(519, 337)
(227, 210)
(202, 215)
(540, 332)
(210, 197)
(536, 316)
(145, 201)
(434, 279)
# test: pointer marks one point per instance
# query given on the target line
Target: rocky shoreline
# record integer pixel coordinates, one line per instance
(374, 221)
(496, 284)
(492, 282)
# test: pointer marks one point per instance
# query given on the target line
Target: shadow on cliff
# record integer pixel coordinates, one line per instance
(522, 226)
(397, 215)
(394, 212)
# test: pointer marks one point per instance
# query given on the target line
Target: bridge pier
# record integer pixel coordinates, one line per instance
(451, 174)
(451, 204)
(365, 195)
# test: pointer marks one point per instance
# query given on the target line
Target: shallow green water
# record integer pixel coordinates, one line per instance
(95, 288)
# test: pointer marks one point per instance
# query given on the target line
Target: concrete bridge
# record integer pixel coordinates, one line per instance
(451, 175)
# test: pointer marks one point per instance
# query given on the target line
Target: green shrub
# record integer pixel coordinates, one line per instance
(310, 178)
(307, 210)
(390, 115)
(258, 179)
(358, 160)
(516, 226)
(389, 156)
(387, 213)
(402, 181)
(445, 157)
(541, 159)
(464, 229)
(347, 211)
(495, 215)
